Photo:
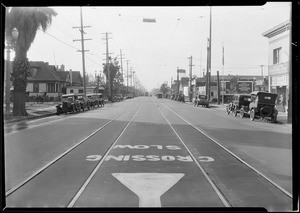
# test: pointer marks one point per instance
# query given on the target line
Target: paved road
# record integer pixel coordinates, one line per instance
(148, 152)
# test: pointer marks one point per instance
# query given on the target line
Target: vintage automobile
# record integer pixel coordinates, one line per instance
(84, 102)
(92, 97)
(239, 101)
(99, 97)
(181, 98)
(160, 95)
(69, 104)
(119, 97)
(262, 105)
(201, 100)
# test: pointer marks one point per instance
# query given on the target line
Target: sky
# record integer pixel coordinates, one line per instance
(156, 50)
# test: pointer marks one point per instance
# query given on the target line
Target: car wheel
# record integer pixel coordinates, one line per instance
(73, 109)
(274, 119)
(57, 112)
(235, 112)
(228, 111)
(242, 114)
(252, 115)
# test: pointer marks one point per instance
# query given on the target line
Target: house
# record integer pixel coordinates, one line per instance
(43, 78)
(279, 44)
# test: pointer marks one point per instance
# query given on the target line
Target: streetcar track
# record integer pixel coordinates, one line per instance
(13, 189)
(82, 188)
(234, 155)
(214, 186)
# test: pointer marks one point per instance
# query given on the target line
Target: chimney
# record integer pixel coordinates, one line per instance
(62, 67)
(71, 81)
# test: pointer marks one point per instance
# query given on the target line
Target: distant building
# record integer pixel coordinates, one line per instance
(279, 41)
(43, 79)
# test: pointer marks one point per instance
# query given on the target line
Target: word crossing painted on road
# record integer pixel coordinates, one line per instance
(169, 147)
(148, 158)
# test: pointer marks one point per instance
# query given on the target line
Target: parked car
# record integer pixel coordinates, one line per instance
(69, 104)
(99, 97)
(159, 95)
(84, 102)
(201, 100)
(119, 97)
(239, 101)
(181, 98)
(92, 97)
(262, 105)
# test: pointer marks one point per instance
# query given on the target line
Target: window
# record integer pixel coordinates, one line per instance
(51, 87)
(276, 55)
(35, 87)
(71, 91)
(80, 91)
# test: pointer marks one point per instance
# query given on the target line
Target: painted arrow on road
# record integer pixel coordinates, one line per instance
(149, 187)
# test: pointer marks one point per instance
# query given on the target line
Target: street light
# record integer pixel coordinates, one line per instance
(11, 41)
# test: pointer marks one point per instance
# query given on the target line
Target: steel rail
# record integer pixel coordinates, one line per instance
(13, 189)
(214, 186)
(234, 155)
(84, 185)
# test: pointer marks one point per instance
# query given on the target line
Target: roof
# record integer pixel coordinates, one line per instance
(262, 92)
(280, 28)
(76, 78)
(63, 75)
(44, 72)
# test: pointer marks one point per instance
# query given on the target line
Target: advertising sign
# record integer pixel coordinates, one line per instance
(244, 87)
(239, 87)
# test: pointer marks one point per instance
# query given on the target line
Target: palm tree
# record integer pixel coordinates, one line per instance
(27, 20)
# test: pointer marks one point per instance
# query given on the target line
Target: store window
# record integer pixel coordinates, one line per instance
(276, 55)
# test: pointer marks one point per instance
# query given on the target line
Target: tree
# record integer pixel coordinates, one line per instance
(113, 69)
(27, 20)
(164, 88)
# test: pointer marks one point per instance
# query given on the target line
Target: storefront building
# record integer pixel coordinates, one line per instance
(279, 40)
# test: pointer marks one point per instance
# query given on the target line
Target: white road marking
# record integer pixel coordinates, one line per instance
(234, 155)
(75, 198)
(149, 187)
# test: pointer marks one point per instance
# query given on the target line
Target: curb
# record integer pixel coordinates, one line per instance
(29, 118)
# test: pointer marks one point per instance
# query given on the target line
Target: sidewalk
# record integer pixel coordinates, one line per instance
(35, 111)
(281, 117)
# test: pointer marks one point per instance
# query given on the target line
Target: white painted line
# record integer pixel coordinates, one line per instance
(75, 198)
(149, 187)
(234, 155)
(218, 192)
(57, 158)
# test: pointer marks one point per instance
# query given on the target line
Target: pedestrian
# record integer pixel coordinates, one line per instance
(283, 102)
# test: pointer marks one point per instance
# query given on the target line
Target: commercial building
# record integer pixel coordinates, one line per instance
(279, 40)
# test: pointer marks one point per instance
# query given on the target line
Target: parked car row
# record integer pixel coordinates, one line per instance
(201, 100)
(258, 104)
(77, 102)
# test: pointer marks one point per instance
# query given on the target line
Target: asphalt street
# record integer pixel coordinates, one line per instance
(148, 152)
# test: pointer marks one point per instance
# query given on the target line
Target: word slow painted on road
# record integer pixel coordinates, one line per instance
(149, 187)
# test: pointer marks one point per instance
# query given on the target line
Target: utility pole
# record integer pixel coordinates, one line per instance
(262, 70)
(190, 79)
(209, 56)
(223, 90)
(127, 75)
(290, 101)
(177, 81)
(107, 64)
(133, 83)
(122, 69)
(130, 76)
(82, 48)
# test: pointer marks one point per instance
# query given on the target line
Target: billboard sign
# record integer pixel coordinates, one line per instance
(239, 87)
